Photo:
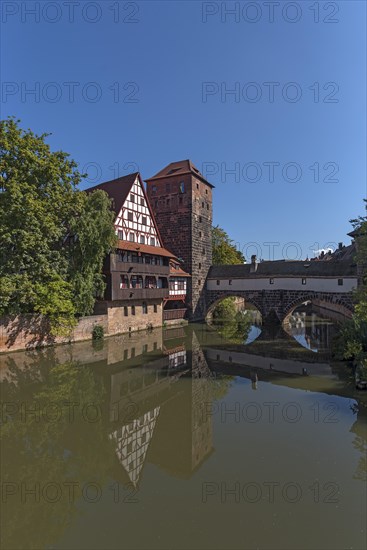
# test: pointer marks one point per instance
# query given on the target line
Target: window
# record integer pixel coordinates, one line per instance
(271, 281)
(126, 353)
(218, 282)
(132, 198)
(120, 235)
(150, 282)
(199, 265)
(167, 202)
(144, 220)
(180, 200)
(126, 311)
(230, 282)
(145, 348)
(202, 205)
(145, 308)
(132, 310)
(142, 239)
(142, 201)
(136, 281)
(182, 187)
(340, 282)
(132, 352)
(207, 206)
(131, 237)
(199, 219)
(130, 216)
(154, 188)
(199, 282)
(200, 234)
(197, 186)
(124, 281)
(152, 241)
(206, 191)
(168, 187)
(303, 281)
(155, 308)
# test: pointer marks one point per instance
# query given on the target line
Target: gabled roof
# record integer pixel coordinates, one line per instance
(285, 269)
(178, 272)
(180, 168)
(117, 189)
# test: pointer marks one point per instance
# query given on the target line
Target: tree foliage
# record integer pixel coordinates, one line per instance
(351, 343)
(224, 250)
(53, 236)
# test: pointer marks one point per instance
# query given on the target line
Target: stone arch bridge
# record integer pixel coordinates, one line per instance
(276, 288)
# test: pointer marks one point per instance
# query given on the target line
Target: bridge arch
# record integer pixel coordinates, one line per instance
(214, 301)
(339, 305)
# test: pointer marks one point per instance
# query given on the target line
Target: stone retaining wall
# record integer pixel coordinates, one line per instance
(24, 332)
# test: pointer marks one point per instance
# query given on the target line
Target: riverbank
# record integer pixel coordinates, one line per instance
(28, 332)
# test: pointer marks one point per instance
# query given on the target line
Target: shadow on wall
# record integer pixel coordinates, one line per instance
(28, 331)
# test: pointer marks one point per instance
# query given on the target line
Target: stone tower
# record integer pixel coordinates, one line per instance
(181, 199)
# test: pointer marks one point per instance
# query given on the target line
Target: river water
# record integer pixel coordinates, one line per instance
(185, 438)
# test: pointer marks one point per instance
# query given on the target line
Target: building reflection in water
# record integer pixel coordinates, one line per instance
(151, 388)
(157, 420)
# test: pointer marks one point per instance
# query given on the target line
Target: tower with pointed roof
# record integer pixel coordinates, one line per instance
(181, 199)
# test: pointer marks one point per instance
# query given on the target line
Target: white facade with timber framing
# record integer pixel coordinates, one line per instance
(134, 222)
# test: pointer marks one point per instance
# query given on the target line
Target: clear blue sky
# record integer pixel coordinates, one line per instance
(169, 50)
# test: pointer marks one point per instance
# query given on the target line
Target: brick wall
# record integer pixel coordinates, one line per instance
(185, 221)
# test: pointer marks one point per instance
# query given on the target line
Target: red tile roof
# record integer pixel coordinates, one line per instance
(145, 248)
(117, 190)
(180, 168)
(178, 272)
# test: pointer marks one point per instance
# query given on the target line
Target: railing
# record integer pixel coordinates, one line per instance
(138, 293)
(170, 314)
(134, 268)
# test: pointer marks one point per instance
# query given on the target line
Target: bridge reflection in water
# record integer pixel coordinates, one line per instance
(158, 394)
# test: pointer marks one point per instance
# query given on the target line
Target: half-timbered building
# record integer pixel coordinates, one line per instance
(137, 272)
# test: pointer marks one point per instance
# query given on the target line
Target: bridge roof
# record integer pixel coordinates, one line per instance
(285, 269)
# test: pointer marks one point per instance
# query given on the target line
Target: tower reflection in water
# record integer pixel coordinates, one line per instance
(155, 419)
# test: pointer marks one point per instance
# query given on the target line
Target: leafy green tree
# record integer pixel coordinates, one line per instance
(53, 236)
(360, 225)
(351, 342)
(224, 250)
